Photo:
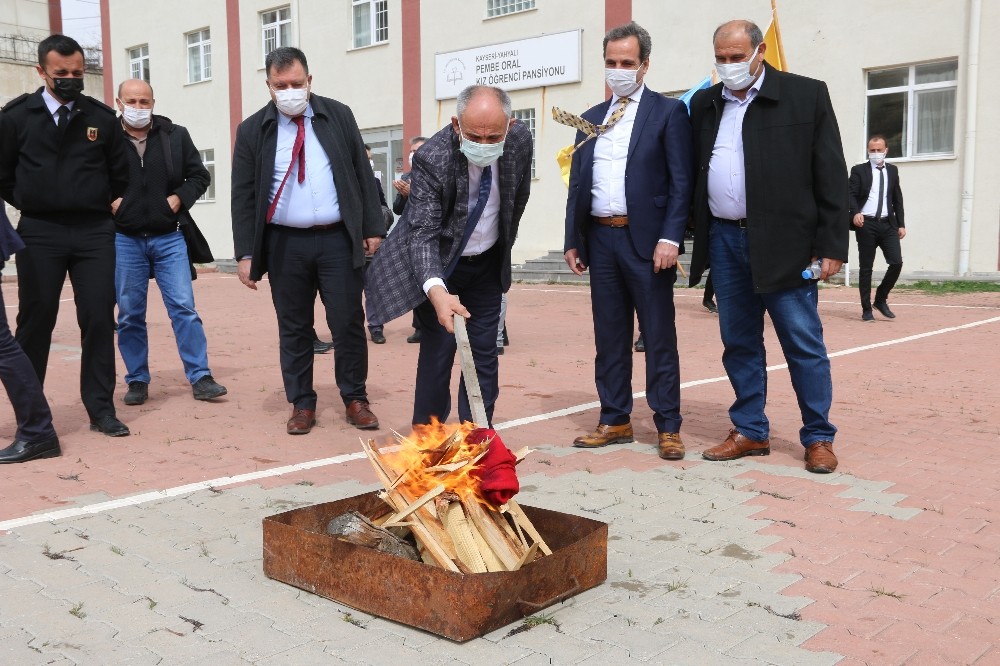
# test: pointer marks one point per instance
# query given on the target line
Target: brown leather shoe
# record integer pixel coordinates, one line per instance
(737, 446)
(670, 446)
(302, 421)
(820, 458)
(360, 416)
(604, 435)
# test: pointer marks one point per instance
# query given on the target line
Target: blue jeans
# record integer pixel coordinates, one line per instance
(797, 324)
(164, 258)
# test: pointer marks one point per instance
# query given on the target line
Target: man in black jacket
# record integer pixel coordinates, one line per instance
(306, 212)
(771, 197)
(877, 215)
(167, 176)
(62, 163)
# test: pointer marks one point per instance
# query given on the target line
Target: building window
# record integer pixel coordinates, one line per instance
(276, 29)
(138, 62)
(208, 159)
(199, 46)
(914, 108)
(527, 116)
(501, 7)
(371, 22)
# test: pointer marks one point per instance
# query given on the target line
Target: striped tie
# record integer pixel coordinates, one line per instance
(590, 129)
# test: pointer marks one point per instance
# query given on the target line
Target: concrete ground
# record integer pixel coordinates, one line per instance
(147, 549)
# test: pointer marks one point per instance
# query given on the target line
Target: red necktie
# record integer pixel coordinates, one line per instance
(298, 155)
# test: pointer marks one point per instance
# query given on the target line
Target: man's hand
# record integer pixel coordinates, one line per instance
(402, 187)
(902, 233)
(174, 202)
(859, 220)
(573, 261)
(664, 256)
(372, 244)
(243, 271)
(115, 205)
(446, 306)
(830, 268)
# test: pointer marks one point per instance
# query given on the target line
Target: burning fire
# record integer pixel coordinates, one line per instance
(439, 447)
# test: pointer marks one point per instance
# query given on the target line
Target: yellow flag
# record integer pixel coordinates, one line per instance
(775, 54)
(565, 159)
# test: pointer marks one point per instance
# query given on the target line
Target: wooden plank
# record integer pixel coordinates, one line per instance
(461, 532)
(494, 535)
(469, 372)
(518, 514)
(416, 504)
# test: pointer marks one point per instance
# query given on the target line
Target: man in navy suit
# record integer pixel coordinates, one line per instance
(629, 193)
(877, 215)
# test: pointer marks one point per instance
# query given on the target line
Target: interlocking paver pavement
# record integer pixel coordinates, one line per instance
(893, 559)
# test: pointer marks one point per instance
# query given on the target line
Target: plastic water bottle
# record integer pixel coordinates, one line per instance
(813, 270)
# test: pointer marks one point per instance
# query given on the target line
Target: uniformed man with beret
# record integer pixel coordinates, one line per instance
(62, 163)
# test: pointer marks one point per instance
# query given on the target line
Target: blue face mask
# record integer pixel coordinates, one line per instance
(481, 154)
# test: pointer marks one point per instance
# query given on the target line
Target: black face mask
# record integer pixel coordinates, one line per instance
(68, 89)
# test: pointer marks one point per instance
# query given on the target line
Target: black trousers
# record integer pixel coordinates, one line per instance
(34, 419)
(476, 282)
(877, 234)
(85, 251)
(300, 262)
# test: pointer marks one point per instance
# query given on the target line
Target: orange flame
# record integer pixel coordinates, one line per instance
(437, 454)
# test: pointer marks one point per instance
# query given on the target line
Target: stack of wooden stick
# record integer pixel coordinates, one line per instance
(430, 493)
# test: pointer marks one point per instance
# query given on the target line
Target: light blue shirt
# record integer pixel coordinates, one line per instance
(314, 200)
(727, 183)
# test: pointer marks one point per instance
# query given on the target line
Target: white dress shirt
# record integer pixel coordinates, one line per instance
(727, 185)
(314, 200)
(607, 191)
(52, 104)
(487, 231)
(871, 206)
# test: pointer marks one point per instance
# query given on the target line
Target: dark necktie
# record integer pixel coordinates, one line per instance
(299, 156)
(484, 194)
(881, 191)
(63, 117)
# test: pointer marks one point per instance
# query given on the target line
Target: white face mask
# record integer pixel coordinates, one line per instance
(876, 158)
(371, 163)
(481, 154)
(622, 81)
(737, 76)
(291, 101)
(136, 118)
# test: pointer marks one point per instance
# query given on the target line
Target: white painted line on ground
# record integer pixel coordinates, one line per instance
(152, 496)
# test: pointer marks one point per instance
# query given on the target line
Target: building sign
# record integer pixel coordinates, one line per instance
(548, 60)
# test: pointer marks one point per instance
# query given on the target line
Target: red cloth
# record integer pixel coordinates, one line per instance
(495, 471)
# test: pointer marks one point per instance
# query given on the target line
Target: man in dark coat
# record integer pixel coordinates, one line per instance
(62, 163)
(306, 212)
(771, 198)
(877, 218)
(450, 252)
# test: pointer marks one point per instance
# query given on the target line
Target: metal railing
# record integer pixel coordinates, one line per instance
(18, 48)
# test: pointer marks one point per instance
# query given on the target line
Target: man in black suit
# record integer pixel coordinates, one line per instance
(629, 197)
(62, 163)
(877, 215)
(305, 211)
(450, 252)
(770, 199)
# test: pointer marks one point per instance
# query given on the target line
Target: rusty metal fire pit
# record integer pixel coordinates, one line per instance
(298, 551)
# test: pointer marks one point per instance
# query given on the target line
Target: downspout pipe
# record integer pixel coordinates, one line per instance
(969, 147)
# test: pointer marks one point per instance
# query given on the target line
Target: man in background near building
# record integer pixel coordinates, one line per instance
(451, 253)
(167, 176)
(62, 162)
(402, 187)
(35, 437)
(377, 332)
(627, 209)
(770, 199)
(305, 211)
(877, 215)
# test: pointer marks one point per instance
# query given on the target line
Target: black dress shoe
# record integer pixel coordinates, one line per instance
(414, 337)
(640, 344)
(320, 347)
(883, 307)
(866, 315)
(110, 426)
(21, 451)
(711, 306)
(378, 337)
(207, 388)
(138, 393)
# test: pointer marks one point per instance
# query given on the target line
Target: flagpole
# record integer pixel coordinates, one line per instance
(777, 32)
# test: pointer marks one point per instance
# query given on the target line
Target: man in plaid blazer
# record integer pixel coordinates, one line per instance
(476, 168)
